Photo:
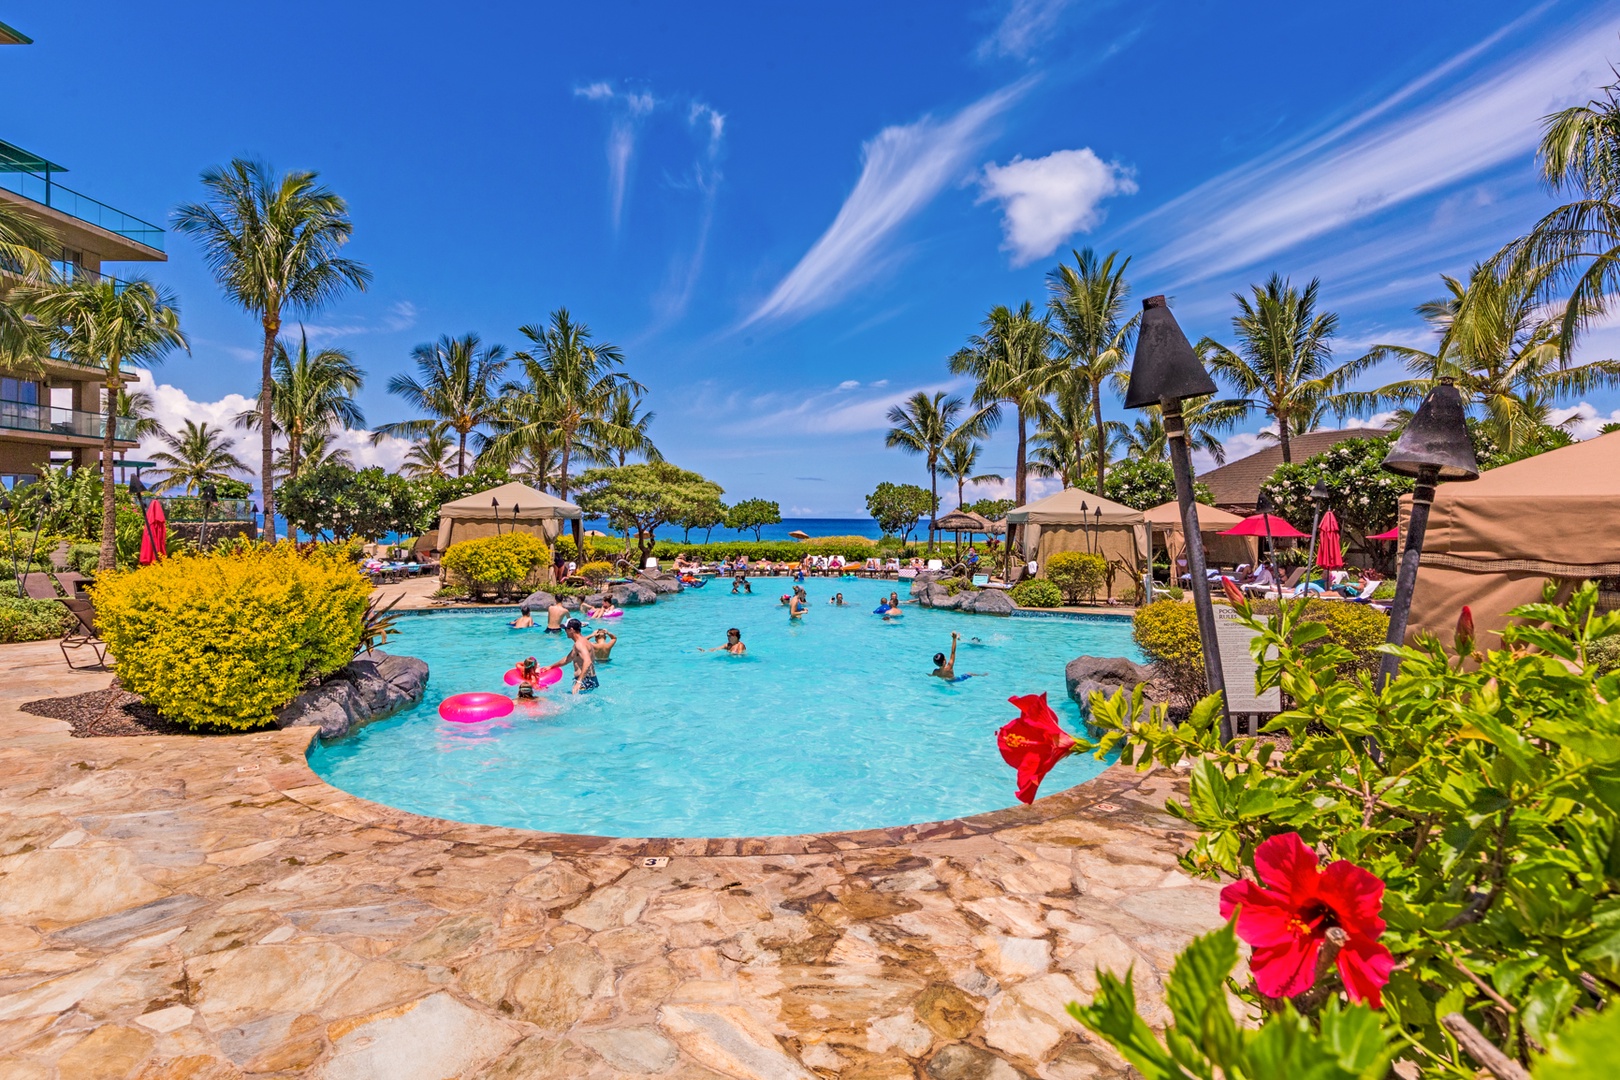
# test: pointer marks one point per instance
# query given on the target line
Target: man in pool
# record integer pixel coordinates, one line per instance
(602, 643)
(556, 615)
(734, 644)
(946, 668)
(524, 619)
(583, 657)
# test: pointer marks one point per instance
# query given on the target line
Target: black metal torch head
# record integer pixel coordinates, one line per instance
(1436, 437)
(1165, 366)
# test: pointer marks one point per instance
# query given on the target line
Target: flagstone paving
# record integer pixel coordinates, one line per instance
(198, 908)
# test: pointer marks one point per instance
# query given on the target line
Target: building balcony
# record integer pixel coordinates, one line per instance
(34, 178)
(48, 420)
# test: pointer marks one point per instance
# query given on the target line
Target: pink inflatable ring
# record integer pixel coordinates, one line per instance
(475, 707)
(541, 680)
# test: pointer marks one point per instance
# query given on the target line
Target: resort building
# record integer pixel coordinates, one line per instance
(1236, 485)
(53, 415)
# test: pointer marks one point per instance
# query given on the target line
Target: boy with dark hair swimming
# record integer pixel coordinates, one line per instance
(946, 668)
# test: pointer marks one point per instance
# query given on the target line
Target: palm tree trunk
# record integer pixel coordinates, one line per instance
(1282, 437)
(294, 443)
(933, 489)
(267, 460)
(1102, 445)
(109, 504)
(461, 453)
(1018, 473)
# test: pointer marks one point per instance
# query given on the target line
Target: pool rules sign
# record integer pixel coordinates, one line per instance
(1237, 664)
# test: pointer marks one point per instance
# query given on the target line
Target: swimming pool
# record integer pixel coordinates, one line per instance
(831, 723)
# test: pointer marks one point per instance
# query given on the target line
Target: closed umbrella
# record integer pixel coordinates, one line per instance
(1329, 555)
(1393, 533)
(155, 537)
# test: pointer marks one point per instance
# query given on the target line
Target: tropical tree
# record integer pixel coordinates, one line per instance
(640, 498)
(753, 514)
(623, 432)
(1203, 417)
(272, 243)
(310, 393)
(926, 425)
(898, 507)
(135, 408)
(196, 455)
(1087, 303)
(1066, 437)
(455, 384)
(960, 462)
(104, 323)
(565, 394)
(313, 449)
(1504, 350)
(1282, 365)
(23, 244)
(431, 455)
(1011, 365)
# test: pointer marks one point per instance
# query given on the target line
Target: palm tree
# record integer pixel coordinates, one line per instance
(272, 243)
(310, 393)
(925, 425)
(431, 455)
(625, 431)
(105, 323)
(960, 462)
(1086, 304)
(313, 450)
(1282, 365)
(567, 387)
(135, 408)
(199, 454)
(1504, 349)
(1145, 439)
(23, 244)
(536, 466)
(456, 384)
(1066, 436)
(1011, 364)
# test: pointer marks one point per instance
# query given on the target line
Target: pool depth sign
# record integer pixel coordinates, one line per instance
(1239, 667)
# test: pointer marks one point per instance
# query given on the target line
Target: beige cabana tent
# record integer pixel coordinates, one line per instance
(515, 506)
(1055, 524)
(1492, 542)
(1165, 522)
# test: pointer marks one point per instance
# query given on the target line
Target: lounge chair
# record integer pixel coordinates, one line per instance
(936, 564)
(1268, 590)
(981, 580)
(82, 634)
(38, 587)
(72, 583)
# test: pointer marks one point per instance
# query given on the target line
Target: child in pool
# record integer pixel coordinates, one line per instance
(524, 619)
(734, 643)
(528, 675)
(604, 611)
(602, 643)
(946, 668)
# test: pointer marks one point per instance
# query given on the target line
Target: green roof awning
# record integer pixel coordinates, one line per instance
(9, 36)
(16, 159)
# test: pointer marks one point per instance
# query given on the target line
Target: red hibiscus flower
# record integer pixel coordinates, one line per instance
(1286, 919)
(1463, 640)
(1234, 595)
(1033, 743)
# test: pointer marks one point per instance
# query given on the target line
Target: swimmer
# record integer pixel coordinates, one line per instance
(524, 619)
(894, 600)
(734, 643)
(556, 615)
(582, 656)
(946, 668)
(838, 601)
(796, 607)
(602, 643)
(604, 611)
(528, 673)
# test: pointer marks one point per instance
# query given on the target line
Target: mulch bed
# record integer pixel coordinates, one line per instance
(106, 713)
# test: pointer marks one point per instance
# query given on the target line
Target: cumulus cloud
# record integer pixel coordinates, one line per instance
(902, 169)
(1046, 200)
(1583, 420)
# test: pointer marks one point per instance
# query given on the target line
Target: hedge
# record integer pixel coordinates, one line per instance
(1167, 633)
(1077, 573)
(220, 642)
(1036, 593)
(22, 619)
(498, 562)
(850, 547)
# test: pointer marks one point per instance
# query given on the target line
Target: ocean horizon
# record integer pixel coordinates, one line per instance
(818, 526)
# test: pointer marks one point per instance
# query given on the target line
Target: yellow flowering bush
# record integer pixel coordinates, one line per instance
(499, 561)
(220, 642)
(596, 572)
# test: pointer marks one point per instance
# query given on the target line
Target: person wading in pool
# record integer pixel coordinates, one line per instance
(796, 607)
(733, 645)
(524, 619)
(946, 669)
(556, 615)
(602, 643)
(583, 656)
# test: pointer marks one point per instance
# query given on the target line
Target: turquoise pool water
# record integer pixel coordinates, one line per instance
(831, 723)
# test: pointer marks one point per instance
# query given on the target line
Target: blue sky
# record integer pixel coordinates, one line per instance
(789, 216)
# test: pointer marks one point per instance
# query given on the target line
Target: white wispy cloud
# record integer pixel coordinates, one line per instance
(1046, 200)
(401, 315)
(902, 169)
(845, 409)
(628, 109)
(1025, 26)
(1388, 155)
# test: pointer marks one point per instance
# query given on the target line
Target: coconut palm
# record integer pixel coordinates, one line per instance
(926, 425)
(1087, 304)
(625, 431)
(1203, 417)
(1011, 364)
(1282, 365)
(536, 466)
(310, 393)
(567, 387)
(135, 409)
(103, 323)
(457, 383)
(431, 455)
(960, 462)
(196, 455)
(313, 450)
(272, 243)
(1502, 347)
(1066, 438)
(23, 244)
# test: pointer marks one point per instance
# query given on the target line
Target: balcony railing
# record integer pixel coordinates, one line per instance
(40, 187)
(22, 416)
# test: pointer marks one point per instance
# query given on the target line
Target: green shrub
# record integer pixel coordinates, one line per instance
(954, 585)
(515, 560)
(1078, 574)
(1384, 591)
(596, 572)
(221, 642)
(1036, 593)
(1603, 655)
(22, 619)
(84, 558)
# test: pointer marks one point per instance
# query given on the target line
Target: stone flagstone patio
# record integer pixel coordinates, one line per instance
(206, 908)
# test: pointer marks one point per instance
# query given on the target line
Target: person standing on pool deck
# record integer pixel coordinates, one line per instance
(556, 614)
(946, 669)
(583, 656)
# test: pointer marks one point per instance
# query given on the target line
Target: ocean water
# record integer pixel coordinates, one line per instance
(828, 723)
(813, 526)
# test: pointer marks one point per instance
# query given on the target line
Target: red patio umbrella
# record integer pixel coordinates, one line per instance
(1329, 556)
(155, 537)
(1259, 524)
(1392, 534)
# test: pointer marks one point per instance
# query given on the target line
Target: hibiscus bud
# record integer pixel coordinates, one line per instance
(1233, 593)
(1463, 641)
